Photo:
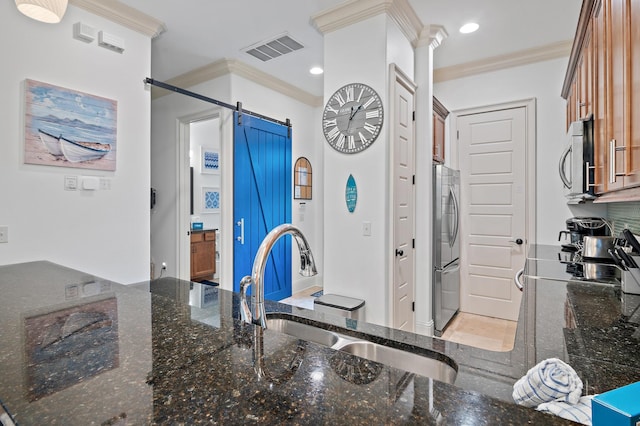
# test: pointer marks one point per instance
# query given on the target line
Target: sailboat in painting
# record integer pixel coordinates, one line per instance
(76, 152)
(52, 143)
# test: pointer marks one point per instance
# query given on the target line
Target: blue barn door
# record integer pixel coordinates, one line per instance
(262, 200)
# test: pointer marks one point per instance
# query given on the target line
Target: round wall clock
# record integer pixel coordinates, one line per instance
(352, 118)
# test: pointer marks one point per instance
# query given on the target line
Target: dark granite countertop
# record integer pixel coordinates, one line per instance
(76, 349)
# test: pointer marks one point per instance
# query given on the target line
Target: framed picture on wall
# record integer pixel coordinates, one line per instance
(68, 128)
(210, 160)
(210, 200)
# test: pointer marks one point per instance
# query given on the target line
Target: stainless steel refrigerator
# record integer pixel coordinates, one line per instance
(446, 246)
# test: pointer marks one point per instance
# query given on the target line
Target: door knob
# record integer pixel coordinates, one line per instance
(518, 241)
(399, 252)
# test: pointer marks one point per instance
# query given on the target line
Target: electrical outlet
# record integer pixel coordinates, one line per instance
(4, 234)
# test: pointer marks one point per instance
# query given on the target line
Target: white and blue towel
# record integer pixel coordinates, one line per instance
(550, 380)
(579, 412)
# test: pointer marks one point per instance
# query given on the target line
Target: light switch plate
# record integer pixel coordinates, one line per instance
(366, 229)
(71, 183)
(4, 234)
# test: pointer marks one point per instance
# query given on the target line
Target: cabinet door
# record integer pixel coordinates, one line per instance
(600, 132)
(632, 177)
(584, 105)
(617, 75)
(203, 264)
(571, 104)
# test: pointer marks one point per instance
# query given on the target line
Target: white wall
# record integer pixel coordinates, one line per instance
(543, 81)
(356, 265)
(104, 232)
(230, 89)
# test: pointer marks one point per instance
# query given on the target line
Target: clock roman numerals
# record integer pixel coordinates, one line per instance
(333, 133)
(372, 114)
(338, 97)
(362, 138)
(349, 92)
(370, 128)
(330, 122)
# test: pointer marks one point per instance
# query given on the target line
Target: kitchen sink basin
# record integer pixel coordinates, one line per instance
(303, 331)
(403, 360)
(418, 363)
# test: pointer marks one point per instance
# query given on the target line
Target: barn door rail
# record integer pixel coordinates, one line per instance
(237, 107)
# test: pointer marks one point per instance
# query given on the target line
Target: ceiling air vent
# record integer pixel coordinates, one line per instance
(272, 48)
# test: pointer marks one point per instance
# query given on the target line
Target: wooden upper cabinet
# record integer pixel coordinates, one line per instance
(616, 30)
(440, 114)
(599, 98)
(632, 171)
(603, 79)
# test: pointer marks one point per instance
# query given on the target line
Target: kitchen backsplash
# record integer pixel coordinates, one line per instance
(624, 215)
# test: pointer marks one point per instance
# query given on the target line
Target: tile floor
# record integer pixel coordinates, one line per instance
(473, 330)
(482, 332)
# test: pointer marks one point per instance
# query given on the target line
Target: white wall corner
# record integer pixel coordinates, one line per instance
(124, 15)
(425, 328)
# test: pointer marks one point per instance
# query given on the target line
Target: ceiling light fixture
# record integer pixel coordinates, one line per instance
(316, 70)
(469, 28)
(49, 11)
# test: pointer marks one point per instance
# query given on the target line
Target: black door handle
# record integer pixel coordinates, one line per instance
(518, 241)
(399, 252)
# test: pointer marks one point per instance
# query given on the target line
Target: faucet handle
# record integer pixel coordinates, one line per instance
(245, 311)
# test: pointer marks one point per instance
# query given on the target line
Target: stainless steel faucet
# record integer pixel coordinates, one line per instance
(257, 315)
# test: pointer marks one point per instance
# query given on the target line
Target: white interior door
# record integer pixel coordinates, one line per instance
(493, 166)
(403, 204)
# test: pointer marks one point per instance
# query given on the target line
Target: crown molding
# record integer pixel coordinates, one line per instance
(235, 67)
(353, 11)
(120, 13)
(496, 63)
(432, 35)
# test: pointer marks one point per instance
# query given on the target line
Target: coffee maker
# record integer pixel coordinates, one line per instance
(579, 227)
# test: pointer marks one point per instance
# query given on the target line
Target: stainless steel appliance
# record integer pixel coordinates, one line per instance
(576, 162)
(446, 246)
(580, 227)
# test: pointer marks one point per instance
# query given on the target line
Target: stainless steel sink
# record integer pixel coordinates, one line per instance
(303, 331)
(403, 360)
(418, 363)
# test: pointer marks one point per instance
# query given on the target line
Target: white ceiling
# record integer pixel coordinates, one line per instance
(200, 32)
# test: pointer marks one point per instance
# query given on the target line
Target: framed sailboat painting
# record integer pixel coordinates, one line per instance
(68, 128)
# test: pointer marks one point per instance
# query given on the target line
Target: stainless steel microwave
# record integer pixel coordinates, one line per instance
(576, 162)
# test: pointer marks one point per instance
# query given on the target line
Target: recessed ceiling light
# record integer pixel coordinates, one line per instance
(316, 70)
(469, 28)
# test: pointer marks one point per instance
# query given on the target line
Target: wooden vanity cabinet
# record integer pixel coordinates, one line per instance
(203, 255)
(440, 114)
(603, 79)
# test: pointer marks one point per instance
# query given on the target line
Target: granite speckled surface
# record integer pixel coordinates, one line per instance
(179, 355)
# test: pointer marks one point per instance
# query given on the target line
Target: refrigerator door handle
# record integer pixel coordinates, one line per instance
(452, 267)
(516, 279)
(456, 216)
